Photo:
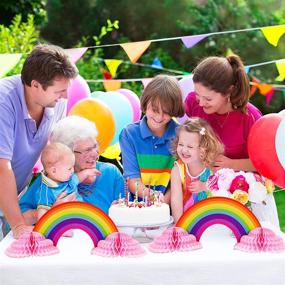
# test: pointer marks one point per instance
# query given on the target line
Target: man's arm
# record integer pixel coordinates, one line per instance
(9, 201)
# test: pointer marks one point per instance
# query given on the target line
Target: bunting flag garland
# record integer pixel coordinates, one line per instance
(135, 50)
(157, 63)
(281, 69)
(76, 53)
(146, 81)
(254, 85)
(112, 85)
(190, 41)
(273, 33)
(264, 88)
(8, 61)
(229, 52)
(113, 65)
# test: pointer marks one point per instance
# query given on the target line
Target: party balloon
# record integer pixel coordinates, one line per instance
(78, 90)
(121, 109)
(187, 85)
(112, 151)
(38, 167)
(261, 148)
(135, 102)
(280, 142)
(99, 113)
(95, 94)
(282, 113)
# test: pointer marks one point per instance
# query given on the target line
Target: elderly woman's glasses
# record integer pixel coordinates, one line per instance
(87, 151)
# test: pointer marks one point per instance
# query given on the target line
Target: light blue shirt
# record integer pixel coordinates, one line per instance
(101, 193)
(106, 187)
(21, 141)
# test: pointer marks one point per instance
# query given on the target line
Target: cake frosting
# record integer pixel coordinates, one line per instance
(138, 214)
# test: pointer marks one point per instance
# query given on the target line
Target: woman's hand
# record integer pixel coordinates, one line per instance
(88, 175)
(223, 162)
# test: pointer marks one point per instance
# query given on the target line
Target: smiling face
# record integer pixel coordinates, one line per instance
(188, 148)
(86, 153)
(50, 96)
(211, 101)
(157, 119)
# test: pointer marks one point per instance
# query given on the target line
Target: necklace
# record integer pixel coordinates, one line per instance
(220, 123)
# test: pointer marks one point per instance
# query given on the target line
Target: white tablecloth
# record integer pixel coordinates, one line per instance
(216, 263)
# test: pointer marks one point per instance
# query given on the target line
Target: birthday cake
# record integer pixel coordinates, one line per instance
(139, 214)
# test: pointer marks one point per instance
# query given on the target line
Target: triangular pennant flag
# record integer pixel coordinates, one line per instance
(254, 85)
(8, 61)
(112, 85)
(146, 81)
(190, 41)
(75, 53)
(247, 68)
(229, 52)
(135, 50)
(269, 96)
(273, 34)
(106, 74)
(113, 65)
(264, 88)
(157, 63)
(281, 69)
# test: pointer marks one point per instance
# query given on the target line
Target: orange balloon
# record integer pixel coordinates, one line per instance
(100, 114)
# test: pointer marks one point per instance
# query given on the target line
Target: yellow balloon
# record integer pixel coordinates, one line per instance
(112, 151)
(100, 114)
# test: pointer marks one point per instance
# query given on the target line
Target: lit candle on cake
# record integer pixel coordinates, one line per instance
(137, 194)
(127, 192)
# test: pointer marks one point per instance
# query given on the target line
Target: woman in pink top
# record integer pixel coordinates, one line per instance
(221, 98)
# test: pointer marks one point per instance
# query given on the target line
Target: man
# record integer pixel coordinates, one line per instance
(30, 104)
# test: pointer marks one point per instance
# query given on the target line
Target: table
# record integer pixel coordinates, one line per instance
(216, 263)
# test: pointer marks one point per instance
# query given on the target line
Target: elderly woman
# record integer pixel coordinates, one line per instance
(80, 135)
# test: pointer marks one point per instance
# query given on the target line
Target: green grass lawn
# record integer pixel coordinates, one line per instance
(280, 202)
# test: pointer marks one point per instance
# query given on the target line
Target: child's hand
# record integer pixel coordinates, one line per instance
(197, 186)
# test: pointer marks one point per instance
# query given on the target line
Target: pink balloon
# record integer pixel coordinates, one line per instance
(135, 102)
(78, 90)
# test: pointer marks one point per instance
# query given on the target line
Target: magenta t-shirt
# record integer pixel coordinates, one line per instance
(233, 127)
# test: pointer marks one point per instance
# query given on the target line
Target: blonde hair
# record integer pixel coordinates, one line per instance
(225, 75)
(165, 90)
(210, 145)
(54, 153)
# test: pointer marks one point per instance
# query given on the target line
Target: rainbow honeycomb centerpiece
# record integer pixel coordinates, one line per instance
(75, 215)
(218, 210)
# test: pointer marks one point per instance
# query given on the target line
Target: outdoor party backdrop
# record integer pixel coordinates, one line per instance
(124, 43)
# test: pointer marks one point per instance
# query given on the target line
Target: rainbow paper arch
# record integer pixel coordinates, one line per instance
(75, 215)
(218, 210)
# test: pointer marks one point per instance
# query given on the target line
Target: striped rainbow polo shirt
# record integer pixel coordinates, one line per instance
(146, 156)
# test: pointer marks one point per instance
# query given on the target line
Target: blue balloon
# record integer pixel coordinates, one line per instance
(121, 108)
